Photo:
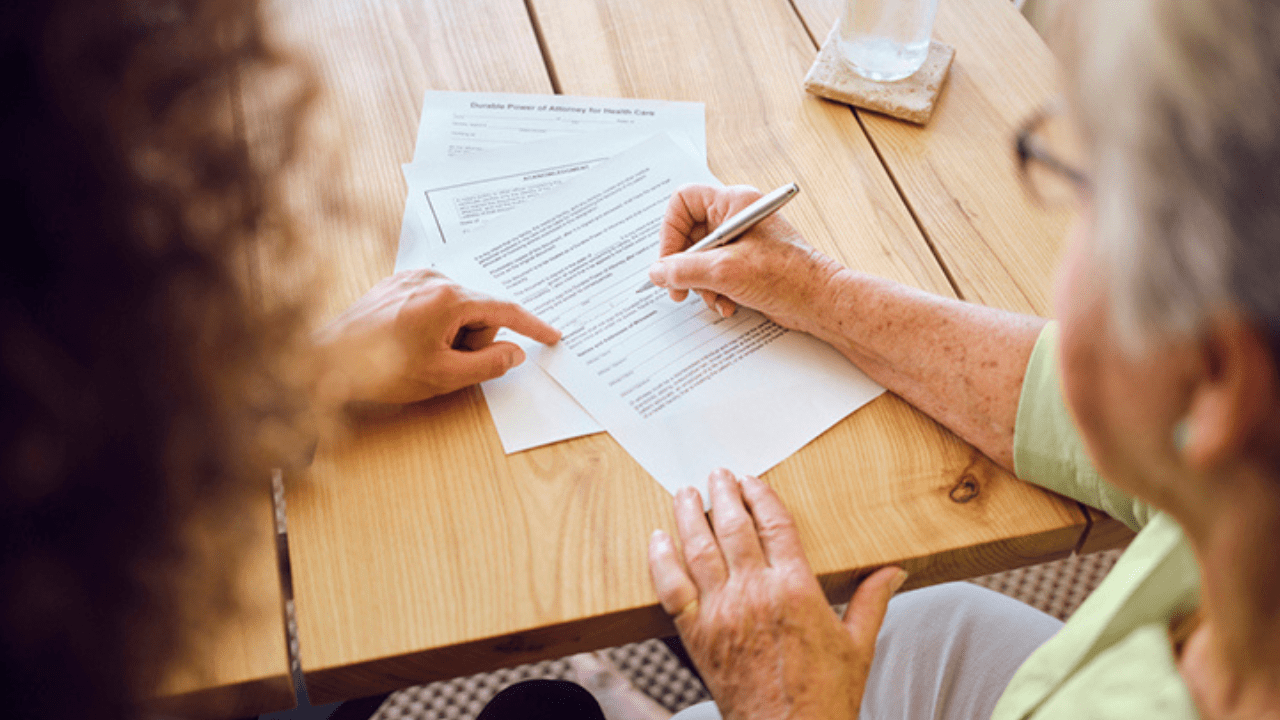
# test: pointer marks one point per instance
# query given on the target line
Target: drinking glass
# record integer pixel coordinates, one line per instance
(886, 40)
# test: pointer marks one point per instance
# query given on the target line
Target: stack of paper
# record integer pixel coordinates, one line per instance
(556, 202)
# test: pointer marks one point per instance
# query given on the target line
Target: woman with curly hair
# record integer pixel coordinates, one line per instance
(146, 390)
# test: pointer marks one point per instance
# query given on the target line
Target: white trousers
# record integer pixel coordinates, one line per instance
(944, 653)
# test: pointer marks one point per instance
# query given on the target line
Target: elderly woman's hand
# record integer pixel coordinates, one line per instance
(751, 613)
(418, 334)
(770, 268)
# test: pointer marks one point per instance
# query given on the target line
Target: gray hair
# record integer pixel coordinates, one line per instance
(1179, 103)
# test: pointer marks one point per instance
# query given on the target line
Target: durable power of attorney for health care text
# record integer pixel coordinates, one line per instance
(568, 227)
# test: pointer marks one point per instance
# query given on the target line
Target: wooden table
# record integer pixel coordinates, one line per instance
(958, 175)
(420, 551)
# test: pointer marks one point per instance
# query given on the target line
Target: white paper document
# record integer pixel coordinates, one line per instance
(454, 196)
(457, 195)
(455, 124)
(482, 154)
(681, 389)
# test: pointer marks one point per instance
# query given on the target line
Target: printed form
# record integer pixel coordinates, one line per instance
(456, 124)
(683, 390)
(481, 154)
(456, 195)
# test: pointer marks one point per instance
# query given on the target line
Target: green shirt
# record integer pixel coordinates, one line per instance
(1113, 658)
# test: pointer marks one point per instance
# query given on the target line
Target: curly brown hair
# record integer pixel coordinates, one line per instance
(140, 376)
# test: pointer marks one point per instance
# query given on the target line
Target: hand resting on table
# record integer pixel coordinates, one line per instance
(751, 613)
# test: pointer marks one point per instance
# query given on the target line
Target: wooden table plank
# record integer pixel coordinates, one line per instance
(419, 550)
(959, 175)
(243, 669)
(1104, 533)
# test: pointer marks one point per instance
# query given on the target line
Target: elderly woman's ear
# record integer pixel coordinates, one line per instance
(1234, 410)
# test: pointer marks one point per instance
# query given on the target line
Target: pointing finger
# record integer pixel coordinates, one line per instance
(501, 313)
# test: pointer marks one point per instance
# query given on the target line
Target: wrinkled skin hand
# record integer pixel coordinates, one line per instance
(416, 335)
(770, 268)
(751, 613)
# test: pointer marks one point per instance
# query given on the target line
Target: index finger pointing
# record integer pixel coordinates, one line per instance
(511, 315)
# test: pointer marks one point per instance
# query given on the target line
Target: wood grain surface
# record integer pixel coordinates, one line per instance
(742, 58)
(242, 667)
(1104, 533)
(420, 551)
(959, 175)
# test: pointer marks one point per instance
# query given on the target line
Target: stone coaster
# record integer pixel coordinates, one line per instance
(911, 99)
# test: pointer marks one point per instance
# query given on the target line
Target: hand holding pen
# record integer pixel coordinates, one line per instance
(770, 269)
(741, 221)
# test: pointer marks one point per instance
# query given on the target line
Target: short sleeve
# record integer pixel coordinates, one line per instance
(1047, 449)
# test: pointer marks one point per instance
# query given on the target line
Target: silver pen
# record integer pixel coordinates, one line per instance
(734, 227)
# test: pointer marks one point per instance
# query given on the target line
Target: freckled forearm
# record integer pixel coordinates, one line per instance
(960, 363)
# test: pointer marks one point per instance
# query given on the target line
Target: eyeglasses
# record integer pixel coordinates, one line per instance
(1048, 154)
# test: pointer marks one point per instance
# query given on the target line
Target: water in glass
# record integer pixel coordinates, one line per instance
(886, 40)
